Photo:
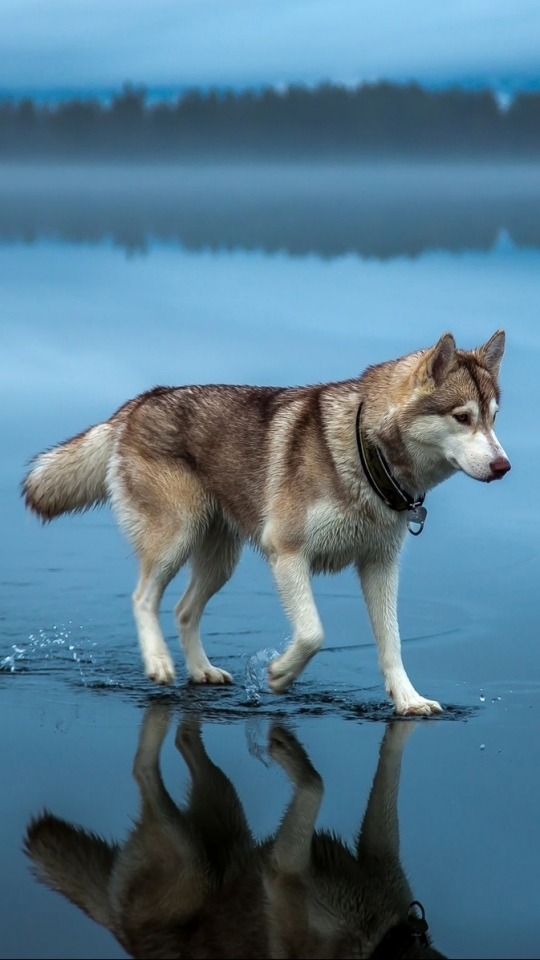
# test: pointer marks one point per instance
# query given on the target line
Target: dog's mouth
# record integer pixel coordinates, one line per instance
(482, 478)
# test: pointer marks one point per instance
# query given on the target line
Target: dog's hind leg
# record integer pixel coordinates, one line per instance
(163, 861)
(154, 578)
(215, 811)
(155, 799)
(212, 564)
(164, 514)
(291, 573)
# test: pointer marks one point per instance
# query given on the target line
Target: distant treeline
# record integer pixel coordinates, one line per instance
(326, 121)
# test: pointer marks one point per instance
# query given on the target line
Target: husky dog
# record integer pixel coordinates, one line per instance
(317, 478)
(192, 881)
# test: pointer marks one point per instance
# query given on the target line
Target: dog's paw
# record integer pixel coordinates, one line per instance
(157, 718)
(418, 706)
(285, 749)
(189, 737)
(160, 669)
(282, 744)
(397, 734)
(281, 673)
(207, 673)
(153, 732)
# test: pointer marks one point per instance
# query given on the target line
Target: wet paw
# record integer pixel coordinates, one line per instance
(281, 742)
(207, 673)
(160, 669)
(189, 736)
(285, 749)
(153, 732)
(418, 706)
(280, 675)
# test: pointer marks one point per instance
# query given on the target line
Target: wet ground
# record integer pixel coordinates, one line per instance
(262, 291)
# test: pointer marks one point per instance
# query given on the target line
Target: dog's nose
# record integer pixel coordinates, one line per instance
(499, 466)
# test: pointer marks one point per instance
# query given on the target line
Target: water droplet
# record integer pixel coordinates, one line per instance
(482, 696)
(482, 746)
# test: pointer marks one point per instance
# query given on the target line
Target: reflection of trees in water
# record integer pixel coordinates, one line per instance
(328, 209)
(329, 120)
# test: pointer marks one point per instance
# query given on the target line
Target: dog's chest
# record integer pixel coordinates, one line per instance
(335, 538)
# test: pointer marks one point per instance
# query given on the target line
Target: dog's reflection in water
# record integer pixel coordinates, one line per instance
(193, 882)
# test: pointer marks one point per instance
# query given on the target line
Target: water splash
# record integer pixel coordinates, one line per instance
(8, 663)
(256, 682)
(57, 649)
(61, 646)
(257, 738)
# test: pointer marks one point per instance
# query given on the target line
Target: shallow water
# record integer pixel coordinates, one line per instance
(272, 276)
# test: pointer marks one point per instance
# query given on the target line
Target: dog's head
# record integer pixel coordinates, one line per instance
(451, 408)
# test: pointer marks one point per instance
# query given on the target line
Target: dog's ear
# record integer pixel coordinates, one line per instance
(439, 359)
(491, 353)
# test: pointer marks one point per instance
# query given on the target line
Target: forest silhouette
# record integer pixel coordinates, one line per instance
(328, 121)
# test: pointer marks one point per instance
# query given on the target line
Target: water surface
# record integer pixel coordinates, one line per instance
(115, 280)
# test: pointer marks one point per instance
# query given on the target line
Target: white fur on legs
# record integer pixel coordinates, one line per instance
(291, 573)
(154, 729)
(378, 838)
(291, 850)
(211, 566)
(157, 660)
(379, 586)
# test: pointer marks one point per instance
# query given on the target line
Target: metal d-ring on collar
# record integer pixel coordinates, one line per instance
(385, 485)
(401, 938)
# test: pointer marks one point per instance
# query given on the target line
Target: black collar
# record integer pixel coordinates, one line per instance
(385, 485)
(404, 935)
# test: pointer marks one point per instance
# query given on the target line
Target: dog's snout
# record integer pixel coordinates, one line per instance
(499, 467)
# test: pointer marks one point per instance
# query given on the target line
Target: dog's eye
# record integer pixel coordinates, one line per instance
(464, 418)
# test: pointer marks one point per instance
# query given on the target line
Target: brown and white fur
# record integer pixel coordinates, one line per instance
(192, 881)
(193, 472)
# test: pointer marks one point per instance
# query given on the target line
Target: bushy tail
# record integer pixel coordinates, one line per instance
(73, 861)
(72, 476)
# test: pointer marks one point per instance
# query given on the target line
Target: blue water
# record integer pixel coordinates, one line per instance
(91, 316)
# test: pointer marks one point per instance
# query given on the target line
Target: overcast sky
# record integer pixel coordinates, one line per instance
(55, 44)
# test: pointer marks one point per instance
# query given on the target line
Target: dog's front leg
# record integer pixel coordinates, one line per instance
(379, 585)
(294, 912)
(215, 811)
(291, 573)
(291, 850)
(379, 834)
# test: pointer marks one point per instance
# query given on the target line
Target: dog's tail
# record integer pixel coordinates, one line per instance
(72, 476)
(74, 862)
